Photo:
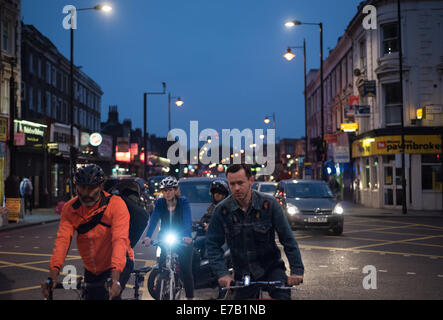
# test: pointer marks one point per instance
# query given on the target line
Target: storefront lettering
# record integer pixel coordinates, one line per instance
(392, 145)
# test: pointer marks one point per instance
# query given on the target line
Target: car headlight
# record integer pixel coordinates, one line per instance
(292, 210)
(338, 209)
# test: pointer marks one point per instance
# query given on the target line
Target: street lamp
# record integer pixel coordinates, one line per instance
(100, 7)
(289, 56)
(179, 102)
(290, 24)
(145, 103)
(267, 120)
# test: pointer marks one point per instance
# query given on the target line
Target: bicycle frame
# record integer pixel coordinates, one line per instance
(171, 264)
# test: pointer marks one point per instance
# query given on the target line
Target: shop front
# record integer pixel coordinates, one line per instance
(60, 159)
(29, 139)
(378, 171)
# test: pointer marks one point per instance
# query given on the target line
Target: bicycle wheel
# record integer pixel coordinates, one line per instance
(158, 285)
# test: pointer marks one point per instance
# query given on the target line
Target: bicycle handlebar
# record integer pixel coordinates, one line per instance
(244, 284)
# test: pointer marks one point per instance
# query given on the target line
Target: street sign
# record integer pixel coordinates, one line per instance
(349, 127)
(363, 111)
(369, 88)
(96, 139)
(341, 154)
(331, 138)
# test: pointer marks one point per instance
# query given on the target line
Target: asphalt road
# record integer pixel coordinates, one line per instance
(375, 258)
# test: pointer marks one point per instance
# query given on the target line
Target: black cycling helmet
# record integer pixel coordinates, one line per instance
(91, 175)
(219, 186)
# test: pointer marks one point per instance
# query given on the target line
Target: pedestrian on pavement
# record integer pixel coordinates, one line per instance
(26, 190)
(248, 220)
(102, 224)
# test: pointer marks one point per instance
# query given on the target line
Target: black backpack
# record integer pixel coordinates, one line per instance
(139, 217)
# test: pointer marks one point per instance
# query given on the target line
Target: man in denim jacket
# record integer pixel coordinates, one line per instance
(248, 220)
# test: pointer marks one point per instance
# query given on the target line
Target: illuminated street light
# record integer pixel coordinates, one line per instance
(289, 55)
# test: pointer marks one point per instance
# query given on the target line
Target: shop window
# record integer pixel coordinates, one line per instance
(431, 173)
(388, 176)
(366, 172)
(374, 175)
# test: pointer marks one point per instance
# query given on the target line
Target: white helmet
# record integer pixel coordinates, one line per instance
(168, 182)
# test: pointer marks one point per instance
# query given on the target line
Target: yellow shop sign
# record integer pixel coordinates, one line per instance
(392, 144)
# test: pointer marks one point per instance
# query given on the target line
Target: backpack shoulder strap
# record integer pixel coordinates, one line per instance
(96, 219)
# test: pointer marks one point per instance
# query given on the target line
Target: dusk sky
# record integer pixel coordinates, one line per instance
(222, 57)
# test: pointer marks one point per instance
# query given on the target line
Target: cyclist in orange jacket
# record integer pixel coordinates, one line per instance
(102, 225)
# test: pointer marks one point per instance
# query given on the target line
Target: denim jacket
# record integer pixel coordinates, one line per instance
(250, 236)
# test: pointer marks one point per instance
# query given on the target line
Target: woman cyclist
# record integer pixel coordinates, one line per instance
(174, 213)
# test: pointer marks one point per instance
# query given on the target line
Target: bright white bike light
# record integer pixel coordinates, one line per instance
(170, 239)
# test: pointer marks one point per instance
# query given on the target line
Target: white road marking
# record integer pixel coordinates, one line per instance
(440, 275)
(16, 246)
(36, 247)
(411, 273)
(406, 255)
(382, 270)
(352, 268)
(323, 266)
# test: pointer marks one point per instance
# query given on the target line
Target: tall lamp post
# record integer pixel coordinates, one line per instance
(291, 24)
(289, 56)
(100, 7)
(400, 58)
(267, 120)
(179, 102)
(145, 104)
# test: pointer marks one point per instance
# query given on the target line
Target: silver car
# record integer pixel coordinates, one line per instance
(197, 192)
(265, 187)
(310, 204)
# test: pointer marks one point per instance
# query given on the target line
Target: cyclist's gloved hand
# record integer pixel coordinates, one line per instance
(226, 281)
(295, 280)
(53, 275)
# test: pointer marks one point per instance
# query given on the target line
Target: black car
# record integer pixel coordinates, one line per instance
(310, 204)
(137, 185)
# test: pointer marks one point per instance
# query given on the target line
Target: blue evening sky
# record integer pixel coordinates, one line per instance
(222, 57)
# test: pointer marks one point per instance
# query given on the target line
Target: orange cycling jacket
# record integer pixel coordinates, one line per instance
(102, 248)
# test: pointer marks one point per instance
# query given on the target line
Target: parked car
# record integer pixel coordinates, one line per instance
(310, 204)
(197, 192)
(265, 187)
(138, 185)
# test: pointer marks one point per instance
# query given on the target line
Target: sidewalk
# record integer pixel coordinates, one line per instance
(358, 210)
(39, 216)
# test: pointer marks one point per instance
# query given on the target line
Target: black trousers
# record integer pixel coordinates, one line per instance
(28, 199)
(185, 254)
(100, 292)
(252, 292)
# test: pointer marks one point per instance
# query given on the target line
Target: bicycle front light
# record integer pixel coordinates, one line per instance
(171, 239)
